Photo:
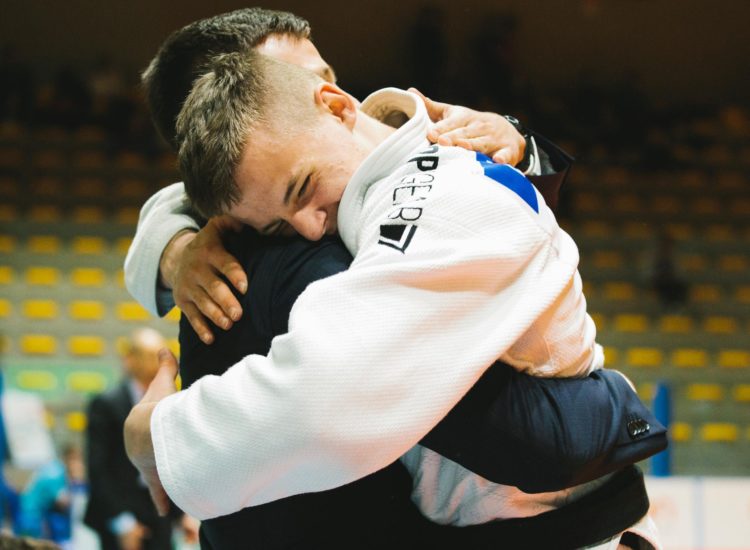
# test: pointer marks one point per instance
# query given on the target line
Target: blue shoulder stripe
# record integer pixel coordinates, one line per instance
(511, 178)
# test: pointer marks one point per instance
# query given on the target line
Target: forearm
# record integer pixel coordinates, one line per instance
(162, 217)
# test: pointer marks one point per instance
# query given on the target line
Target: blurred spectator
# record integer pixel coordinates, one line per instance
(45, 504)
(16, 87)
(427, 49)
(119, 507)
(670, 288)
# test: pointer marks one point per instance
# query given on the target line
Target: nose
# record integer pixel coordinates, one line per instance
(311, 223)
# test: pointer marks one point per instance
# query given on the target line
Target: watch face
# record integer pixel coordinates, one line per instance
(513, 120)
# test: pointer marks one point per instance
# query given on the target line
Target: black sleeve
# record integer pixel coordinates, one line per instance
(556, 164)
(546, 434)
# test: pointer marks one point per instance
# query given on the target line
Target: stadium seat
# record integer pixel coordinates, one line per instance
(127, 215)
(666, 205)
(626, 203)
(588, 203)
(86, 382)
(88, 276)
(89, 188)
(693, 262)
(120, 278)
(174, 345)
(629, 322)
(679, 231)
(174, 315)
(123, 245)
(132, 189)
(705, 293)
(88, 245)
(717, 324)
(6, 308)
(48, 159)
(719, 232)
(11, 157)
(740, 207)
(6, 275)
(47, 187)
(7, 244)
(44, 244)
(38, 344)
(89, 159)
(742, 294)
(733, 262)
(76, 421)
(733, 358)
(595, 230)
(645, 357)
(720, 432)
(87, 310)
(689, 358)
(619, 291)
(637, 230)
(680, 324)
(132, 311)
(36, 380)
(8, 213)
(741, 393)
(681, 431)
(705, 206)
(86, 345)
(40, 309)
(42, 276)
(607, 259)
(611, 355)
(88, 214)
(704, 392)
(44, 213)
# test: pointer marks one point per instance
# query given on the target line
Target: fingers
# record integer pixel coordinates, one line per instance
(198, 322)
(435, 110)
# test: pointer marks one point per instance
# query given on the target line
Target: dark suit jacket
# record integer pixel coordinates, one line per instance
(537, 434)
(114, 485)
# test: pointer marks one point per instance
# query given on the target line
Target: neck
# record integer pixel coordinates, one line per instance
(370, 132)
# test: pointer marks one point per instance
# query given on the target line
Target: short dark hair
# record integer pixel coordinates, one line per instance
(185, 53)
(239, 93)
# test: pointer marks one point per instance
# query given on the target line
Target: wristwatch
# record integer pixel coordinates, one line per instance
(521, 129)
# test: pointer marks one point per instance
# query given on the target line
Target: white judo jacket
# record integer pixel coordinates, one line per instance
(458, 263)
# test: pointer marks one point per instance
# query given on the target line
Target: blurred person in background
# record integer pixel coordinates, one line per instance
(119, 507)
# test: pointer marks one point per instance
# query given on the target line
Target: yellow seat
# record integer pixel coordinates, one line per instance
(742, 294)
(48, 158)
(11, 157)
(705, 206)
(719, 232)
(86, 382)
(666, 204)
(740, 207)
(132, 189)
(89, 188)
(174, 345)
(626, 204)
(637, 230)
(8, 213)
(43, 244)
(174, 315)
(692, 262)
(7, 244)
(127, 215)
(689, 358)
(645, 357)
(36, 380)
(5, 308)
(88, 245)
(42, 276)
(676, 323)
(88, 276)
(40, 309)
(76, 421)
(123, 245)
(705, 293)
(734, 358)
(629, 322)
(86, 345)
(619, 291)
(132, 311)
(680, 231)
(741, 393)
(88, 214)
(607, 259)
(596, 229)
(47, 187)
(6, 275)
(44, 213)
(681, 431)
(720, 324)
(704, 392)
(611, 355)
(720, 432)
(588, 202)
(120, 278)
(38, 344)
(733, 262)
(87, 310)
(89, 159)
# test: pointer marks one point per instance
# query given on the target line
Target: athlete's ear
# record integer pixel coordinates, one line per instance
(337, 102)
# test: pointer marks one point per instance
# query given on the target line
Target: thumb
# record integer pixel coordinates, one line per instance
(435, 109)
(163, 383)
